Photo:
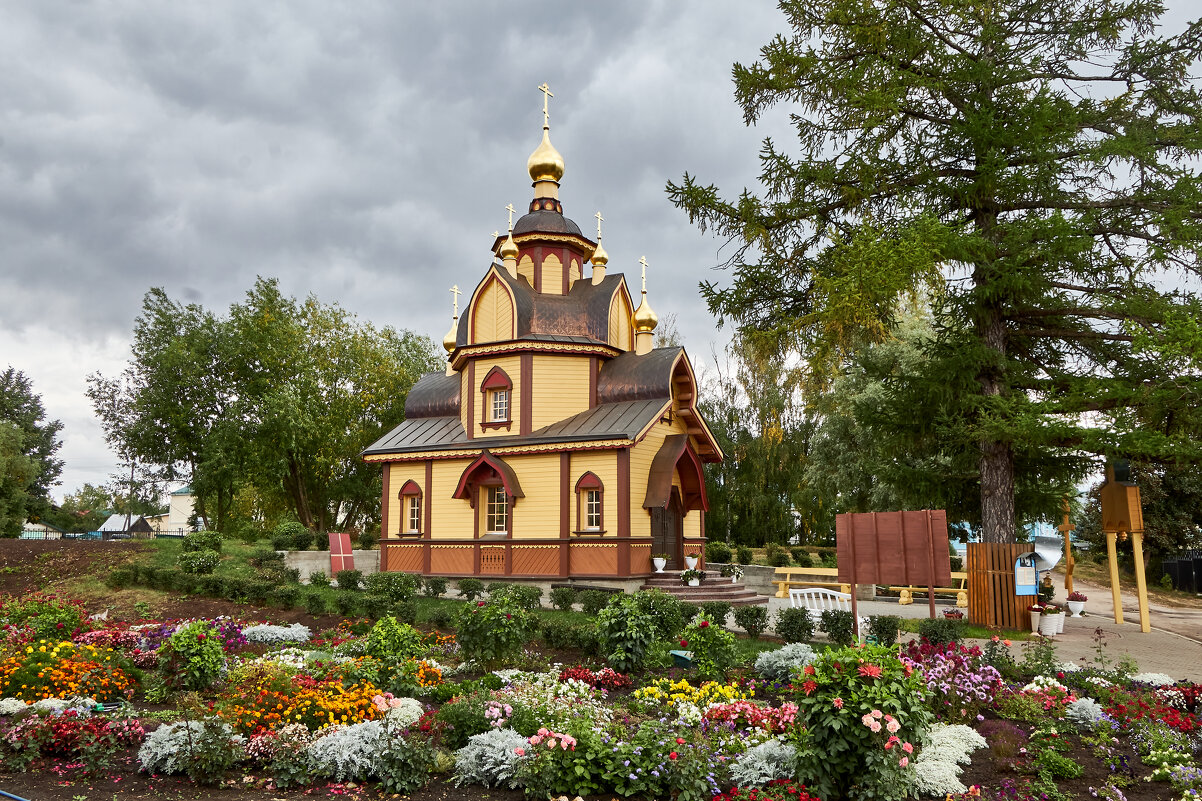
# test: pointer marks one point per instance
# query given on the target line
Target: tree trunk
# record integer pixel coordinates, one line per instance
(296, 488)
(997, 457)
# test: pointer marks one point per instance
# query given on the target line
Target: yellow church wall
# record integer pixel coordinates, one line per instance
(641, 456)
(560, 388)
(398, 474)
(552, 274)
(526, 269)
(573, 273)
(605, 465)
(451, 518)
(536, 516)
(619, 322)
(512, 365)
(492, 314)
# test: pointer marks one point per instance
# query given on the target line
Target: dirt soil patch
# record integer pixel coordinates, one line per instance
(37, 565)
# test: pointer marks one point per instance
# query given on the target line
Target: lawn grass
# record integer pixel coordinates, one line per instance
(971, 630)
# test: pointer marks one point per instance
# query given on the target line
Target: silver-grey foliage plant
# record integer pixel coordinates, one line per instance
(490, 759)
(760, 764)
(781, 664)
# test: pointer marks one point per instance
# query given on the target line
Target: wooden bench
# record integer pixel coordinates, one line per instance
(789, 577)
(819, 599)
(960, 590)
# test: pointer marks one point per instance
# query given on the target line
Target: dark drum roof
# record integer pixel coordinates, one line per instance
(633, 377)
(434, 395)
(624, 420)
(583, 312)
(546, 222)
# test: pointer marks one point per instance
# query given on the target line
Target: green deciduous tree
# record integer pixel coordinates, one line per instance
(273, 401)
(17, 473)
(31, 444)
(1034, 164)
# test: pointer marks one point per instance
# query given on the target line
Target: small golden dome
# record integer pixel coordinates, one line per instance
(600, 257)
(448, 342)
(645, 319)
(509, 248)
(545, 163)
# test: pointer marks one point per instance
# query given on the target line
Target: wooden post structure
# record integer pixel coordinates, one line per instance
(1122, 513)
(1066, 528)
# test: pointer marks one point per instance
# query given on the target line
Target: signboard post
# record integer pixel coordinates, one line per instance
(1122, 514)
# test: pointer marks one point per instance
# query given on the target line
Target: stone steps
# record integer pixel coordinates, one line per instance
(716, 588)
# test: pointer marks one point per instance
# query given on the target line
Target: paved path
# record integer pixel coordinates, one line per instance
(1174, 646)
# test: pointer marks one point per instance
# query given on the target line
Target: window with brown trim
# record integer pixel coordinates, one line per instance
(496, 400)
(411, 509)
(590, 496)
(496, 511)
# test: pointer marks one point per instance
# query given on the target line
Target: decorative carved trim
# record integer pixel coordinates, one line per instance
(512, 450)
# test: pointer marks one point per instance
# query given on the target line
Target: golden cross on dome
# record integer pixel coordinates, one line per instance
(455, 292)
(511, 210)
(643, 261)
(600, 220)
(546, 90)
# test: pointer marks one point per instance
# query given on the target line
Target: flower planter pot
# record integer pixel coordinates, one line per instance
(1035, 621)
(1076, 607)
(1060, 622)
(694, 582)
(660, 564)
(690, 562)
(1047, 626)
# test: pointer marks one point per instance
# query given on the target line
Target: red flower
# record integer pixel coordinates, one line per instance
(870, 671)
(704, 624)
(838, 702)
(508, 616)
(200, 636)
(680, 741)
(672, 755)
(810, 686)
(479, 603)
(684, 643)
(809, 670)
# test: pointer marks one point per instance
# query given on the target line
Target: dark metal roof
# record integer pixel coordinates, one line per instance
(434, 395)
(609, 421)
(583, 312)
(633, 377)
(546, 222)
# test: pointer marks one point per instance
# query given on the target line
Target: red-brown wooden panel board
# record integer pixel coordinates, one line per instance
(341, 556)
(902, 548)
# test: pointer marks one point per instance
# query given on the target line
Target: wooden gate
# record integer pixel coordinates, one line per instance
(667, 531)
(991, 598)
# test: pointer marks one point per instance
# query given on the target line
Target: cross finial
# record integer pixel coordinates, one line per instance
(643, 261)
(455, 292)
(546, 90)
(496, 234)
(600, 220)
(511, 210)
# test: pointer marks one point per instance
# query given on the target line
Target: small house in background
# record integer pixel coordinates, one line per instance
(115, 528)
(40, 531)
(181, 510)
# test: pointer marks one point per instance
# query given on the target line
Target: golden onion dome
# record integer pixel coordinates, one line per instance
(509, 248)
(545, 163)
(600, 257)
(645, 319)
(448, 341)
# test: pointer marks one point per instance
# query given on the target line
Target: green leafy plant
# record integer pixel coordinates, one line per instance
(624, 633)
(839, 626)
(666, 609)
(713, 648)
(199, 562)
(717, 551)
(527, 596)
(396, 587)
(752, 618)
(202, 541)
(192, 658)
(780, 559)
(692, 574)
(563, 598)
(49, 616)
(716, 611)
(435, 587)
(593, 601)
(795, 625)
(941, 630)
(493, 630)
(744, 555)
(471, 588)
(349, 579)
(318, 578)
(883, 629)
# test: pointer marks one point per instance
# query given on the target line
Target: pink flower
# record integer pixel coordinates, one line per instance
(870, 671)
(520, 751)
(551, 743)
(904, 761)
(876, 727)
(876, 713)
(838, 702)
(892, 726)
(908, 748)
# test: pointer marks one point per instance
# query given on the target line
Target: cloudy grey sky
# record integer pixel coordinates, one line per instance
(363, 152)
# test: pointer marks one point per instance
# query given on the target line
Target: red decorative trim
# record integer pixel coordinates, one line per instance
(623, 510)
(593, 370)
(589, 481)
(471, 407)
(496, 379)
(429, 515)
(410, 488)
(538, 268)
(487, 470)
(384, 503)
(471, 352)
(526, 412)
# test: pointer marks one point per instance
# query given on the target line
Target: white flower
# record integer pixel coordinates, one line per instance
(12, 706)
(1158, 679)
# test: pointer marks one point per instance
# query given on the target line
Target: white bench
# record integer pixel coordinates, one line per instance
(819, 599)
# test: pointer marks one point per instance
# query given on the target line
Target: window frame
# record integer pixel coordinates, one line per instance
(495, 497)
(587, 484)
(409, 491)
(494, 383)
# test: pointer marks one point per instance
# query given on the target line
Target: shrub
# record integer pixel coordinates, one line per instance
(794, 625)
(593, 601)
(496, 586)
(392, 641)
(120, 578)
(624, 633)
(840, 700)
(780, 559)
(349, 579)
(744, 555)
(783, 663)
(527, 596)
(664, 608)
(716, 611)
(192, 657)
(493, 630)
(688, 611)
(405, 612)
(368, 540)
(315, 603)
(201, 541)
(202, 749)
(374, 605)
(404, 765)
(941, 631)
(713, 648)
(440, 618)
(281, 542)
(49, 616)
(563, 598)
(829, 559)
(435, 587)
(397, 587)
(760, 764)
(199, 562)
(347, 602)
(883, 629)
(562, 635)
(285, 596)
(318, 578)
(257, 592)
(838, 625)
(489, 758)
(717, 551)
(752, 618)
(265, 558)
(471, 588)
(291, 535)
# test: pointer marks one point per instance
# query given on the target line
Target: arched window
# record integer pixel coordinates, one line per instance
(496, 400)
(411, 509)
(590, 496)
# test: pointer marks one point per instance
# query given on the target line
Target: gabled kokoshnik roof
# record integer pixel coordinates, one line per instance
(632, 392)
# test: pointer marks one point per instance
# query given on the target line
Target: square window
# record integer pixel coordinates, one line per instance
(497, 511)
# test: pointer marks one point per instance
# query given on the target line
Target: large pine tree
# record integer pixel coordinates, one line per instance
(1032, 163)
